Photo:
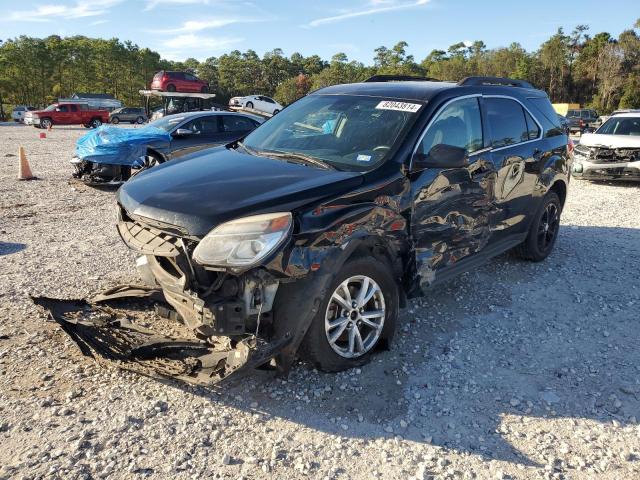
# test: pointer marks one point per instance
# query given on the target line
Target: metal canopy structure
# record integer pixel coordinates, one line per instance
(176, 102)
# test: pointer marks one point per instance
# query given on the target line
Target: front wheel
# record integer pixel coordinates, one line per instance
(115, 120)
(359, 312)
(543, 232)
(139, 120)
(46, 123)
(249, 105)
(276, 111)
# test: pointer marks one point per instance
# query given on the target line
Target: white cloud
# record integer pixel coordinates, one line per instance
(199, 25)
(151, 4)
(194, 42)
(372, 8)
(47, 13)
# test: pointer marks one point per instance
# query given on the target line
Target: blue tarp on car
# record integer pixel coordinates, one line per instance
(118, 146)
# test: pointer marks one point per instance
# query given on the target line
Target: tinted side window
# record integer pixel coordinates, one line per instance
(459, 124)
(506, 120)
(63, 108)
(268, 100)
(546, 115)
(74, 108)
(236, 124)
(532, 126)
(203, 126)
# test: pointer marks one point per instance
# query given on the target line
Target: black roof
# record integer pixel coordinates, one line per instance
(422, 90)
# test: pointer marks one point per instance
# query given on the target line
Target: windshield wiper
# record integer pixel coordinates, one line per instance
(297, 156)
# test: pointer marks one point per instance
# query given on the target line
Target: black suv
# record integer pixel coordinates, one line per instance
(309, 234)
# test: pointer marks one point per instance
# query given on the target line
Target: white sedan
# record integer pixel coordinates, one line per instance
(612, 152)
(257, 102)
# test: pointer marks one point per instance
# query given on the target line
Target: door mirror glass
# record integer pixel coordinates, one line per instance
(182, 132)
(441, 156)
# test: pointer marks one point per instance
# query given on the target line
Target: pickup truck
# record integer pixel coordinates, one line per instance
(581, 120)
(67, 114)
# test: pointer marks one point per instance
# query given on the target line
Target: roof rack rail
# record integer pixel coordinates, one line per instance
(500, 81)
(399, 78)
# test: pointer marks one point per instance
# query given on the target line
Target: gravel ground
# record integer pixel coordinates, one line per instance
(516, 370)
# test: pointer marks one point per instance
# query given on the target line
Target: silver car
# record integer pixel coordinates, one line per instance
(128, 114)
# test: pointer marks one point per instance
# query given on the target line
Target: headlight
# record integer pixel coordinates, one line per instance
(243, 242)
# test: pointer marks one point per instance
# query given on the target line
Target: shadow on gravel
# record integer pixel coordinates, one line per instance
(499, 346)
(7, 248)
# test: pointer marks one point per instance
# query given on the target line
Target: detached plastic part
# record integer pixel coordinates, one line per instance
(118, 146)
(105, 336)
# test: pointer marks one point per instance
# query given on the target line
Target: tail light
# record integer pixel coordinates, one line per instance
(582, 123)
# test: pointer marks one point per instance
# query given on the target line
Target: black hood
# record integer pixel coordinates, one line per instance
(202, 191)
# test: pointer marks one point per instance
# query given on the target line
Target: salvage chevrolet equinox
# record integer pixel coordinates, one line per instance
(307, 236)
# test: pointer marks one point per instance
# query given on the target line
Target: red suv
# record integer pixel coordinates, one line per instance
(178, 82)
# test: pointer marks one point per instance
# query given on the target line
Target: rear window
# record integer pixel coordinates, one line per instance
(19, 109)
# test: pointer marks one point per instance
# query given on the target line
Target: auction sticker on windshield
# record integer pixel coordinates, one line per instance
(400, 106)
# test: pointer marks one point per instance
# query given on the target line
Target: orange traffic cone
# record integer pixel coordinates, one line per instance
(25, 169)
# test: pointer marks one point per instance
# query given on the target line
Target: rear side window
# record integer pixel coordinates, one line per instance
(236, 124)
(74, 108)
(458, 124)
(507, 122)
(532, 126)
(63, 108)
(546, 115)
(573, 113)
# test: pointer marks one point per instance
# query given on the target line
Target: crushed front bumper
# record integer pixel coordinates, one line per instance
(106, 334)
(588, 170)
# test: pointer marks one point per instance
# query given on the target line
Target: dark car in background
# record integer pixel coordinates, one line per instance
(309, 234)
(129, 115)
(582, 119)
(165, 139)
(182, 82)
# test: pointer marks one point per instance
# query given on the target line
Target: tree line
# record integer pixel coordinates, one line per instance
(599, 70)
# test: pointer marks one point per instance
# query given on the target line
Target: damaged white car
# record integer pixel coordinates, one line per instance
(612, 152)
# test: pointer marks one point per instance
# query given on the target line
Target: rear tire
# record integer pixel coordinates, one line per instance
(543, 232)
(276, 111)
(339, 337)
(171, 88)
(95, 123)
(249, 105)
(204, 90)
(139, 120)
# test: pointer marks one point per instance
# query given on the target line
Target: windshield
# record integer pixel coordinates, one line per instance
(620, 126)
(346, 132)
(167, 123)
(51, 108)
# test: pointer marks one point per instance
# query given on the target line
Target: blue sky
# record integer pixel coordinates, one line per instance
(201, 28)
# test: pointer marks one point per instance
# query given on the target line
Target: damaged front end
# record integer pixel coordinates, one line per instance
(105, 332)
(225, 315)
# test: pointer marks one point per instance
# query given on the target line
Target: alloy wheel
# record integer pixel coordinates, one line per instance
(355, 316)
(548, 226)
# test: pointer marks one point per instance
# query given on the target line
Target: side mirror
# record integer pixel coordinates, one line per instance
(182, 132)
(441, 156)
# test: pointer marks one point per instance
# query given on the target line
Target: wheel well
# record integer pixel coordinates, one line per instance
(151, 151)
(560, 188)
(377, 248)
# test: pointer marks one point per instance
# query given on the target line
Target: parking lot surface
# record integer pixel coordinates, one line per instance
(515, 370)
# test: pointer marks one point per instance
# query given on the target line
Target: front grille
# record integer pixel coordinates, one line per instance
(146, 239)
(614, 155)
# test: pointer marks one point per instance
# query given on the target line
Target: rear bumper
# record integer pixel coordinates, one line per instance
(587, 170)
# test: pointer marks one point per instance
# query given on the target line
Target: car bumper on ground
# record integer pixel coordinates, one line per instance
(588, 170)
